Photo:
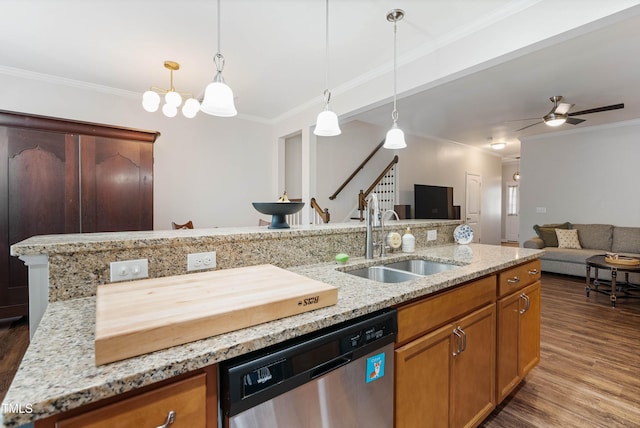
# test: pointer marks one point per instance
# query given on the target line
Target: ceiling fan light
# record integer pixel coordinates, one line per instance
(173, 98)
(218, 100)
(394, 139)
(327, 124)
(190, 108)
(553, 119)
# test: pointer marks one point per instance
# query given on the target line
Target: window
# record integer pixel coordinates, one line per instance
(512, 200)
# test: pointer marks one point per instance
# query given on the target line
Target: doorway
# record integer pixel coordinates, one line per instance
(473, 190)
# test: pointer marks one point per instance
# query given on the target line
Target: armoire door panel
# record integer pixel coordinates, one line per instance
(40, 170)
(117, 185)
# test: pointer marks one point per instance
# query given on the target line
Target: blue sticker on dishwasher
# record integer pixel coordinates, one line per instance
(375, 367)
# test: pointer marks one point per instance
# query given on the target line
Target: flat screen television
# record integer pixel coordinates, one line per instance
(433, 202)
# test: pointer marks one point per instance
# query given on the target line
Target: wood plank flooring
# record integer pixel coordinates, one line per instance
(589, 371)
(14, 339)
(588, 376)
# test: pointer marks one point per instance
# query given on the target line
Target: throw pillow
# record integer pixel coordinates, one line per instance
(568, 238)
(547, 232)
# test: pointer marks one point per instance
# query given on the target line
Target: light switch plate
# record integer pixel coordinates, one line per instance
(432, 235)
(129, 269)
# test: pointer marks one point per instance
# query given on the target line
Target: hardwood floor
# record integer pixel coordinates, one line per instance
(14, 339)
(588, 376)
(589, 371)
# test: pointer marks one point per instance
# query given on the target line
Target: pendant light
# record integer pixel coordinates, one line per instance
(327, 121)
(516, 175)
(395, 136)
(218, 97)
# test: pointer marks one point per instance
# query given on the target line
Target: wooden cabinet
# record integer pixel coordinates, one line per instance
(59, 176)
(518, 330)
(192, 399)
(445, 374)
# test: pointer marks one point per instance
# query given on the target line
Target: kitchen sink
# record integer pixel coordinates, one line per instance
(401, 271)
(384, 274)
(421, 267)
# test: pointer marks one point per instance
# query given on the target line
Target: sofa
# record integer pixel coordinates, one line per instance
(593, 239)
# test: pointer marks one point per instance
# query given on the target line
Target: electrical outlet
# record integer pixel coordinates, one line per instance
(432, 235)
(197, 261)
(129, 269)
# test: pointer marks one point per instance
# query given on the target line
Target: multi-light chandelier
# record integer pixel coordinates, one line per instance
(172, 99)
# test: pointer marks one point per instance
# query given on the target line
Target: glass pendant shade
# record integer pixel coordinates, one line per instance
(169, 110)
(173, 98)
(327, 124)
(395, 138)
(150, 101)
(218, 99)
(190, 108)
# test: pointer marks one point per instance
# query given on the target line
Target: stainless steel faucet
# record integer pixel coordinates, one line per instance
(372, 218)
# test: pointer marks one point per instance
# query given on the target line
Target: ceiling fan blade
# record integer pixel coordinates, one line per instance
(520, 120)
(598, 109)
(528, 126)
(574, 121)
(563, 108)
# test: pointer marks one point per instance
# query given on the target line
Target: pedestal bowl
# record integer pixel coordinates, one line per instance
(278, 212)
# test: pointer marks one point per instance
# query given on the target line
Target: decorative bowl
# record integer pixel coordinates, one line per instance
(278, 212)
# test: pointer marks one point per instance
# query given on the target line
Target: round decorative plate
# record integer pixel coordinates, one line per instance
(463, 234)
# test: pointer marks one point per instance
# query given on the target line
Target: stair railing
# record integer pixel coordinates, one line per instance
(354, 173)
(319, 215)
(384, 185)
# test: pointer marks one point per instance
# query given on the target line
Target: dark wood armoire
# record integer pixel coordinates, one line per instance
(62, 176)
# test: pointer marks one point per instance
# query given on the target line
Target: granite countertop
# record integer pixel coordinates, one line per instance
(58, 372)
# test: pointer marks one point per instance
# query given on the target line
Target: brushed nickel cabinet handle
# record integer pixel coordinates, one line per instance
(457, 351)
(464, 339)
(513, 280)
(171, 418)
(534, 272)
(527, 303)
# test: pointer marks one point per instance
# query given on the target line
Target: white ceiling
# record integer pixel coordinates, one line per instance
(275, 57)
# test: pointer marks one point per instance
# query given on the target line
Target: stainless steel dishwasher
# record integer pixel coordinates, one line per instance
(338, 377)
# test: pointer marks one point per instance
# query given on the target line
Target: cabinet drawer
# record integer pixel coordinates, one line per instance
(517, 277)
(187, 398)
(419, 317)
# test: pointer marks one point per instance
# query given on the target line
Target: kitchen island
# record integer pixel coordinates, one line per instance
(58, 372)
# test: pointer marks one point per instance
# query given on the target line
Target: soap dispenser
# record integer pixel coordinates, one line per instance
(408, 242)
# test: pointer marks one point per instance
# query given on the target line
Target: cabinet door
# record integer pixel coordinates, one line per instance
(529, 350)
(508, 337)
(187, 398)
(473, 370)
(117, 184)
(39, 187)
(422, 380)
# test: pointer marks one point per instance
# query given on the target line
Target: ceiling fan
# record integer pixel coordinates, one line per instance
(559, 114)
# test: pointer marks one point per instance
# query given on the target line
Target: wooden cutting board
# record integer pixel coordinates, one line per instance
(134, 318)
